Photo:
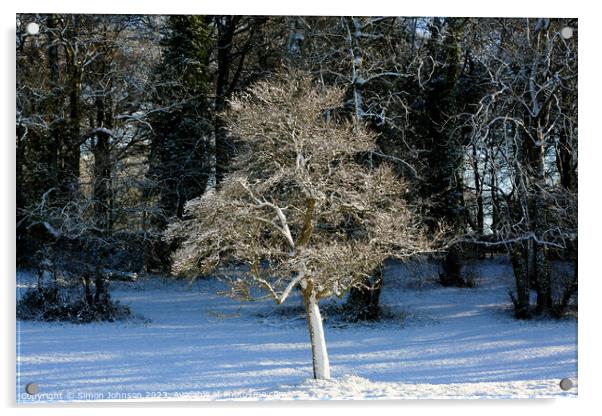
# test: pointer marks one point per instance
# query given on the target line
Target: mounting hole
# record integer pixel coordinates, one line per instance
(566, 32)
(566, 384)
(32, 388)
(32, 28)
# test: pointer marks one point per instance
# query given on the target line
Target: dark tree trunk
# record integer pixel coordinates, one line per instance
(230, 64)
(101, 292)
(566, 163)
(21, 200)
(71, 145)
(495, 201)
(226, 26)
(87, 282)
(102, 167)
(566, 150)
(363, 303)
(452, 269)
(52, 149)
(539, 223)
(444, 148)
(69, 149)
(478, 184)
(522, 307)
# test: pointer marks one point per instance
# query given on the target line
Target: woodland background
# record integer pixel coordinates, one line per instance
(120, 123)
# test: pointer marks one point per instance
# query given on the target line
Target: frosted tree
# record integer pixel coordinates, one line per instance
(299, 207)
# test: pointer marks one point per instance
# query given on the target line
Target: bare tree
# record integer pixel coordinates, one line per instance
(103, 146)
(524, 128)
(298, 208)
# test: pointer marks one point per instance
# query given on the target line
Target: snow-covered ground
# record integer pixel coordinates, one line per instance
(198, 345)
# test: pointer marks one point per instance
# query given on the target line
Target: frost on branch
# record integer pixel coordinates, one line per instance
(298, 199)
(300, 208)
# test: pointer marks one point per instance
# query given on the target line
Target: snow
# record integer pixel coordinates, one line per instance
(194, 344)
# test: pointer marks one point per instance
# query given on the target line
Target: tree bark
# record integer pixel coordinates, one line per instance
(452, 268)
(363, 302)
(538, 216)
(226, 27)
(495, 205)
(69, 151)
(319, 353)
(55, 107)
(566, 162)
(519, 254)
(478, 184)
(102, 167)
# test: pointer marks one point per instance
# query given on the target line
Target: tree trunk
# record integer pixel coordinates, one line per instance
(355, 51)
(452, 269)
(535, 152)
(55, 104)
(566, 162)
(319, 353)
(295, 37)
(519, 257)
(444, 150)
(478, 185)
(495, 206)
(226, 27)
(69, 151)
(102, 168)
(539, 226)
(363, 302)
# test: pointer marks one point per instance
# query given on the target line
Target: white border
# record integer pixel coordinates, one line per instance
(590, 154)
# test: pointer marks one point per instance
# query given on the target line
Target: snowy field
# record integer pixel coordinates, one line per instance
(196, 345)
